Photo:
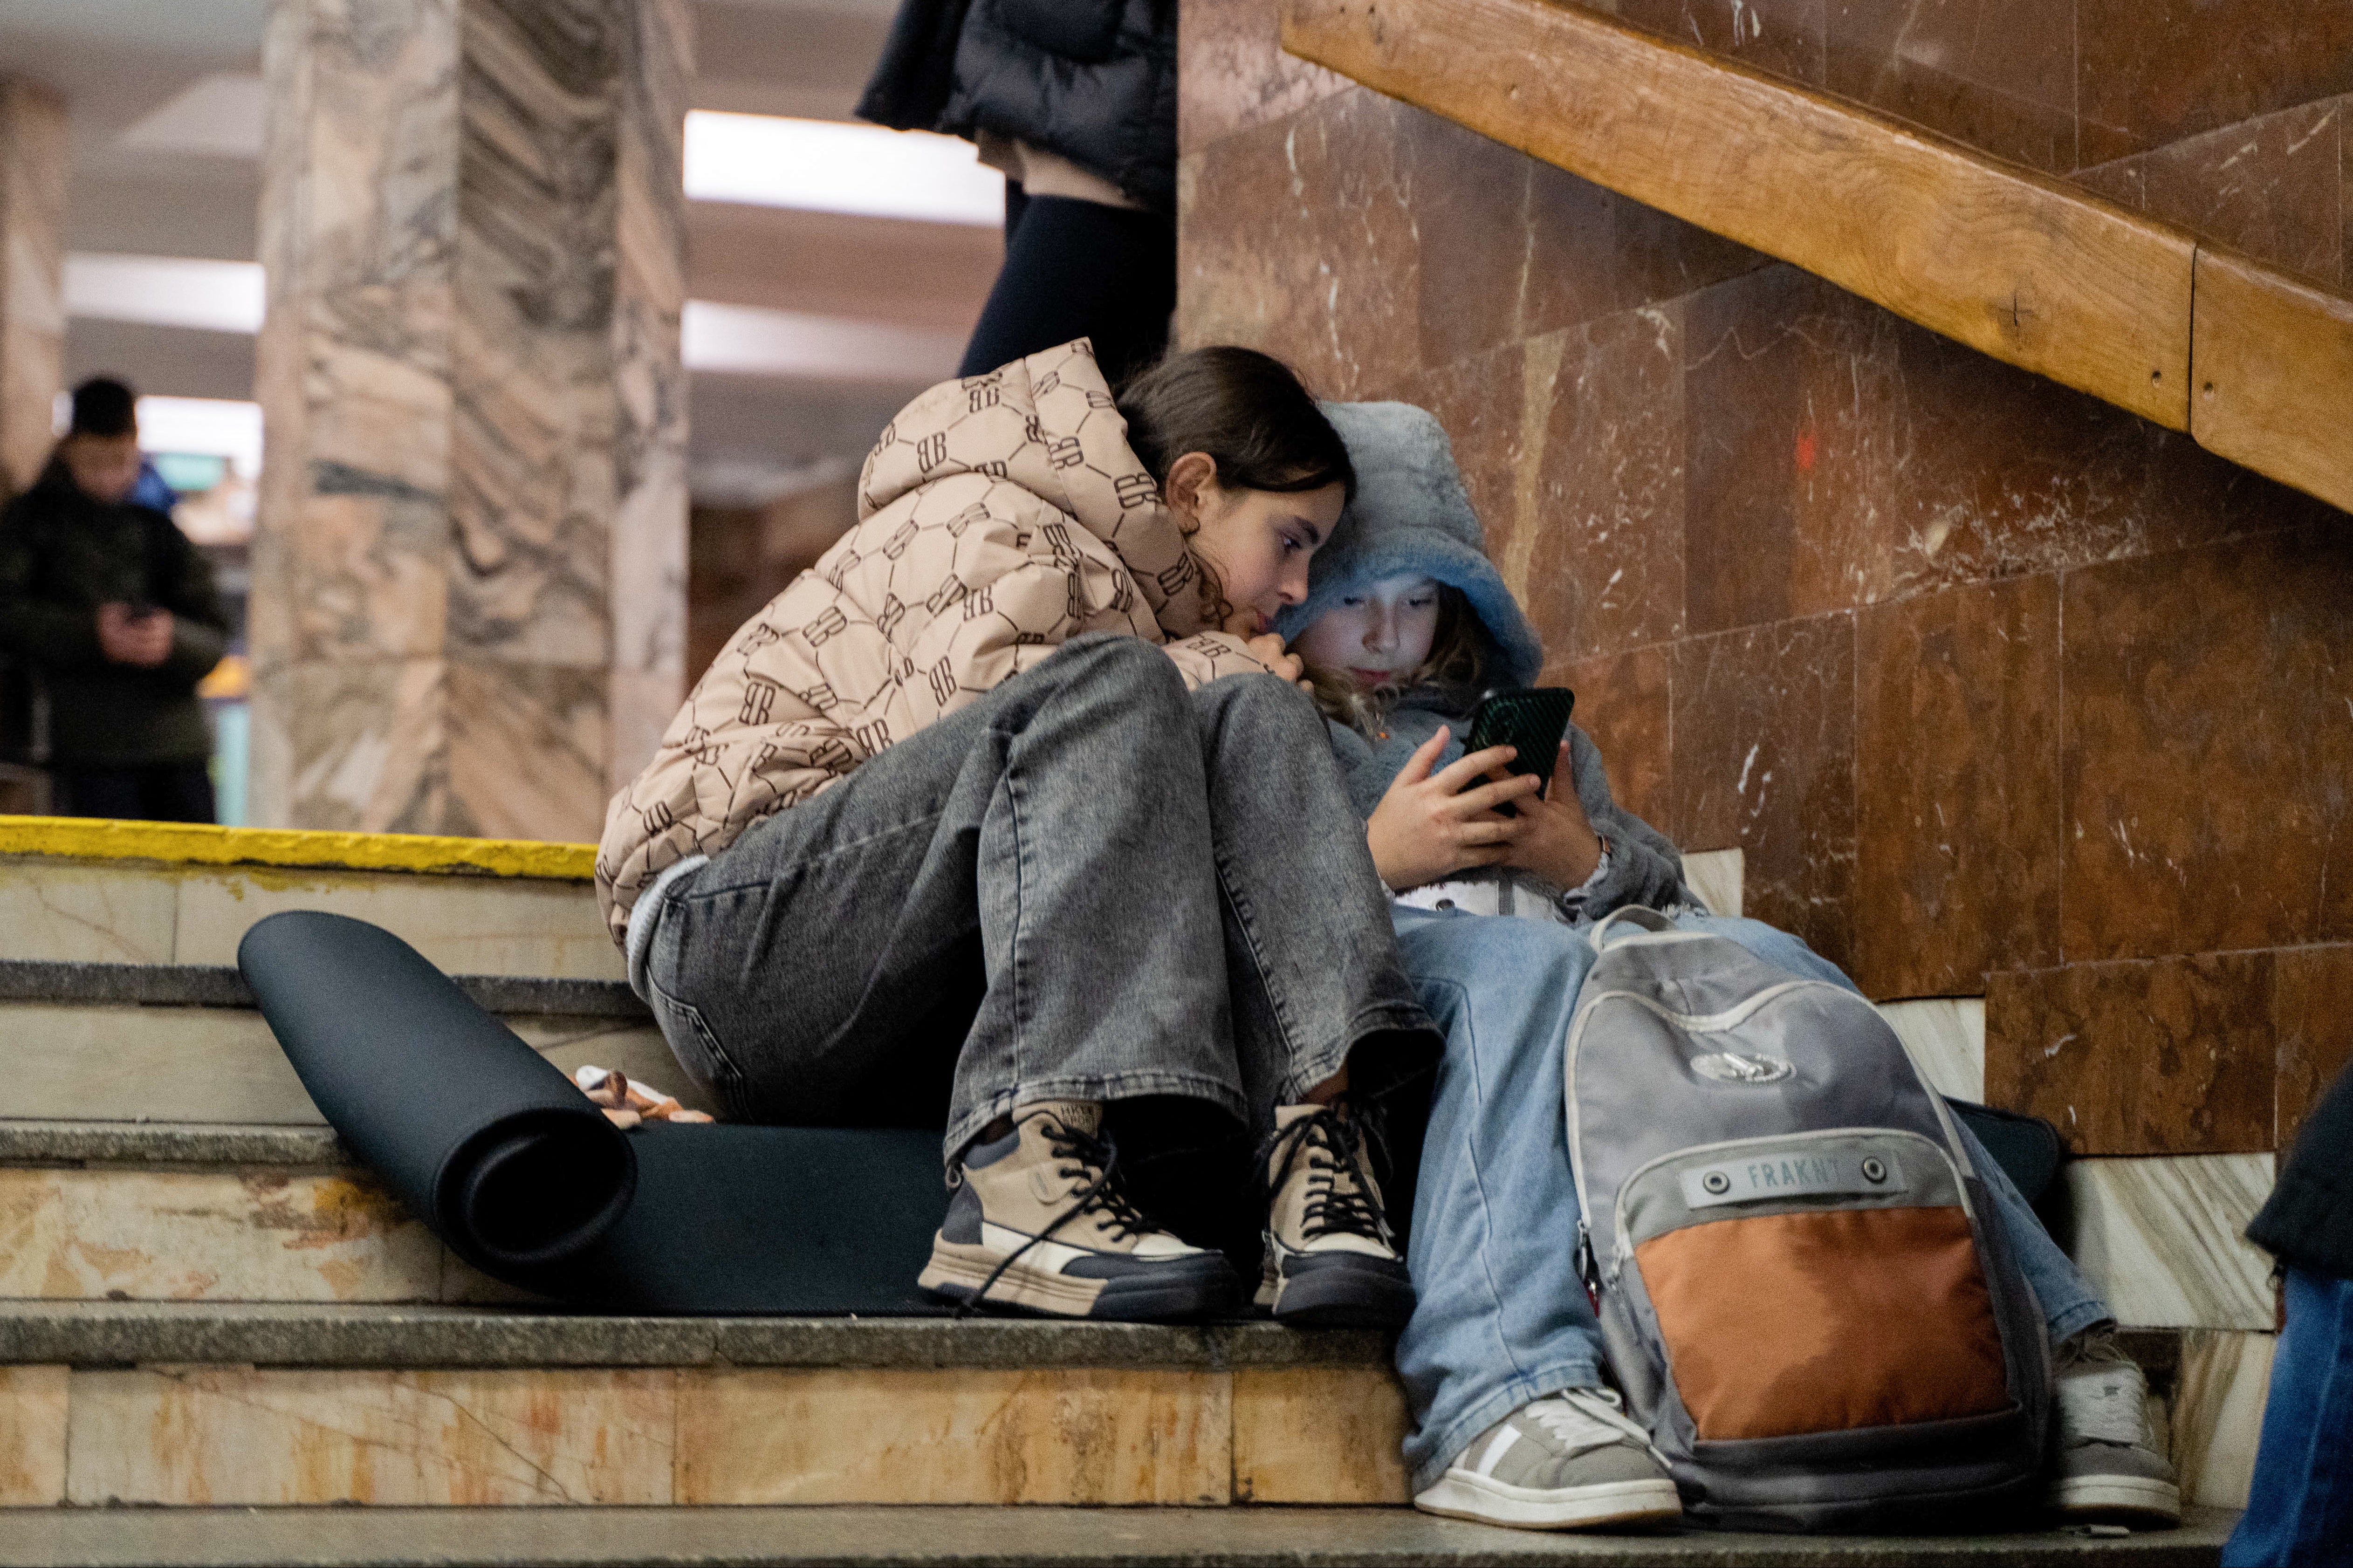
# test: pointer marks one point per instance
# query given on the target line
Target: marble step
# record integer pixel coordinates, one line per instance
(103, 1041)
(1002, 1538)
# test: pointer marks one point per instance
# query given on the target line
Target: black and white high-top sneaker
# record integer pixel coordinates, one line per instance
(1038, 1222)
(1330, 1258)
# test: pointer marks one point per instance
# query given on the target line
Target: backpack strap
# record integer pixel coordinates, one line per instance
(1640, 915)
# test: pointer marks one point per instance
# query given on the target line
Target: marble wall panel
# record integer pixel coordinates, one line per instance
(2152, 72)
(1327, 1435)
(953, 1436)
(352, 744)
(1946, 1038)
(1605, 570)
(1715, 875)
(1999, 75)
(1624, 703)
(33, 1406)
(191, 1236)
(85, 913)
(466, 925)
(2171, 1055)
(1490, 406)
(219, 1064)
(528, 750)
(196, 1436)
(2272, 186)
(1783, 37)
(2218, 1414)
(1470, 201)
(1325, 274)
(2208, 733)
(366, 574)
(36, 162)
(1763, 721)
(2312, 1008)
(1837, 455)
(1232, 74)
(155, 1064)
(1958, 799)
(2162, 1240)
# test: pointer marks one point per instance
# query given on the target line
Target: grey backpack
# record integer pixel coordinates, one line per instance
(1805, 1291)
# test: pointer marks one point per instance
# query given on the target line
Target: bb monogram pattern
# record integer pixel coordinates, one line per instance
(999, 516)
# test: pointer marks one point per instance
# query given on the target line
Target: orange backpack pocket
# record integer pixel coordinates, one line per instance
(1825, 1320)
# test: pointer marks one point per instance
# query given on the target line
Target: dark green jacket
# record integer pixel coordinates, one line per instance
(62, 555)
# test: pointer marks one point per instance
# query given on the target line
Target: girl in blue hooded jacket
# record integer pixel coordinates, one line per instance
(1405, 624)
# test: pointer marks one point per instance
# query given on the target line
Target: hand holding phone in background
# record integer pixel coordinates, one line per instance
(1557, 843)
(134, 633)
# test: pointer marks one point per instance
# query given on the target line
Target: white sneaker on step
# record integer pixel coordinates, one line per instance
(1571, 1461)
(2107, 1466)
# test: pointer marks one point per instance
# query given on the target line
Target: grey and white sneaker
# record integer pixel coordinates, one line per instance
(1331, 1258)
(1038, 1222)
(1571, 1461)
(2107, 1466)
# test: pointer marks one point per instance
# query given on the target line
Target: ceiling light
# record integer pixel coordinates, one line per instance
(823, 165)
(203, 427)
(165, 291)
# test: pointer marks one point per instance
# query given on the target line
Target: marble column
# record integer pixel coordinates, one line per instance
(33, 161)
(470, 568)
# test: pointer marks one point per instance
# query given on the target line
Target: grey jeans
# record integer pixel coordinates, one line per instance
(1090, 884)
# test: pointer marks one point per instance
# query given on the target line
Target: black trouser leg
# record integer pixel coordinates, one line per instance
(1078, 269)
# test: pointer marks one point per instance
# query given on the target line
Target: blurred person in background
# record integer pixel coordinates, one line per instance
(106, 604)
(1075, 101)
(2300, 1506)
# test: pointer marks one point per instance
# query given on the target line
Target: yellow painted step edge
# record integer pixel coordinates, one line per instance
(90, 838)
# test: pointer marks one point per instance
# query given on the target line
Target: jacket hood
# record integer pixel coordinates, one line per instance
(1047, 423)
(1410, 515)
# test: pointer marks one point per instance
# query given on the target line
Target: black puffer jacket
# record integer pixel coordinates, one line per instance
(2308, 1221)
(1095, 81)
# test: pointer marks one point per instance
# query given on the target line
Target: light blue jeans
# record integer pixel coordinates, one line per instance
(1501, 1316)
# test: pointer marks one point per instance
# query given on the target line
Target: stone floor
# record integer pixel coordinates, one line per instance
(992, 1538)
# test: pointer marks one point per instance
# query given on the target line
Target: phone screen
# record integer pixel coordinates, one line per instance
(1530, 718)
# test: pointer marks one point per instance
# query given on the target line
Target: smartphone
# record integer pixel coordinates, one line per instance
(1532, 719)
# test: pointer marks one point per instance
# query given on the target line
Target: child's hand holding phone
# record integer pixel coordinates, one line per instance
(1557, 842)
(1430, 825)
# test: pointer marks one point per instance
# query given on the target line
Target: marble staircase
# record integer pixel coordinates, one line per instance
(207, 1309)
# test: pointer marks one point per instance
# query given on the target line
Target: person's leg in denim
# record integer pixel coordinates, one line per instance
(2300, 1506)
(1041, 897)
(1501, 1317)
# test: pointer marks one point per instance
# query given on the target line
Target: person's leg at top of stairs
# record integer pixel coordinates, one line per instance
(1018, 915)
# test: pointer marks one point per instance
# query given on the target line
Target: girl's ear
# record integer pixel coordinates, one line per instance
(1190, 478)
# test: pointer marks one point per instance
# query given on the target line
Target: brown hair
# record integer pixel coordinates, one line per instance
(1458, 659)
(1250, 414)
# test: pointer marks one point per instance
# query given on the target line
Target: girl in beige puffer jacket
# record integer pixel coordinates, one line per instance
(1009, 811)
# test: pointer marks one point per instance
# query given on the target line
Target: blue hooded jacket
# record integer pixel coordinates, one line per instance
(1410, 515)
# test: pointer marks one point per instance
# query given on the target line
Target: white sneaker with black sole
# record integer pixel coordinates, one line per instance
(1331, 1258)
(1571, 1461)
(1038, 1223)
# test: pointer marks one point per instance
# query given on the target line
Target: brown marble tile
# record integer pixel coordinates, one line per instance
(1837, 455)
(1470, 198)
(2153, 71)
(1483, 402)
(1231, 72)
(1657, 256)
(2170, 1056)
(1297, 238)
(2272, 186)
(1606, 566)
(1999, 75)
(1784, 37)
(1576, 266)
(2312, 1005)
(2209, 736)
(1622, 702)
(1762, 721)
(1957, 783)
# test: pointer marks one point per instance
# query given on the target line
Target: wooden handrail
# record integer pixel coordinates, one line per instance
(2255, 365)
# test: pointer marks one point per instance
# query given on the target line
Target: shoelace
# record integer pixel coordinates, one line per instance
(1091, 1152)
(1587, 1418)
(2100, 1392)
(1330, 1211)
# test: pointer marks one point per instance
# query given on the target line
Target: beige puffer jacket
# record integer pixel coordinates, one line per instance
(998, 517)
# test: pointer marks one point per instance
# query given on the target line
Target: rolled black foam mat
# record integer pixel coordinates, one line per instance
(511, 1165)
(2027, 1148)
